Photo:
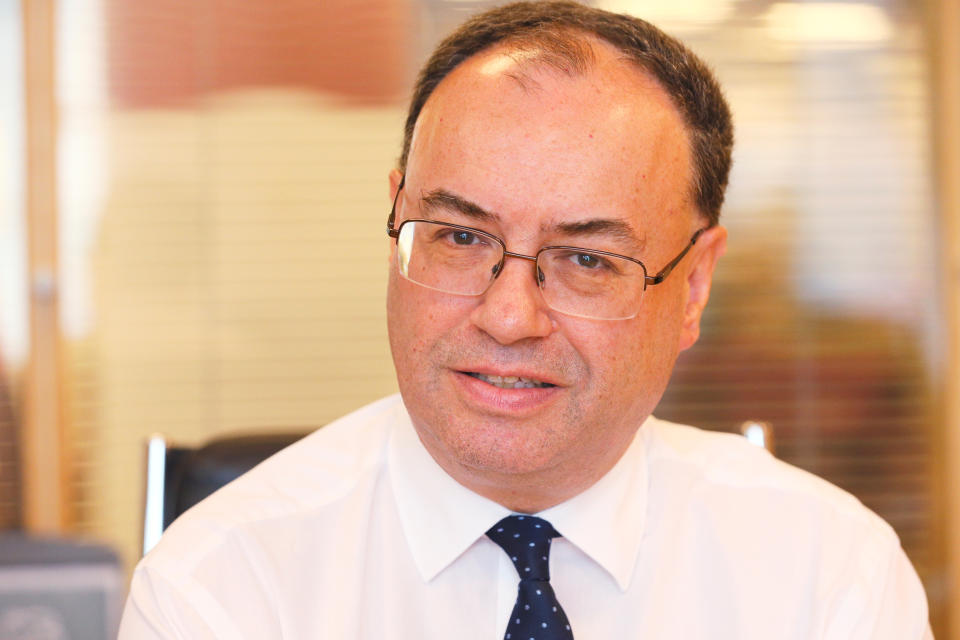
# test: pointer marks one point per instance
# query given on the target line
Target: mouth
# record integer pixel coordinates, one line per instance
(510, 382)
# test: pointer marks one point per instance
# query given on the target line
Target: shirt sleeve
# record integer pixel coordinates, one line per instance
(884, 599)
(902, 610)
(156, 609)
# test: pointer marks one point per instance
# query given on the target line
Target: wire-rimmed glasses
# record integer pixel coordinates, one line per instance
(462, 260)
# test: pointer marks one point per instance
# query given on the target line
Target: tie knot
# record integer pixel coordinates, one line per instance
(526, 539)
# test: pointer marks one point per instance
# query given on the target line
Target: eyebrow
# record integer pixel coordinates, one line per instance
(612, 228)
(609, 227)
(443, 199)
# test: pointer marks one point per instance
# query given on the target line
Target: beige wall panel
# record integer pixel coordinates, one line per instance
(239, 277)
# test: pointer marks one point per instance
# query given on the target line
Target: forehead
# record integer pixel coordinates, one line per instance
(511, 134)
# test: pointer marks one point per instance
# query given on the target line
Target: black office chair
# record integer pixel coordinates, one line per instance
(180, 477)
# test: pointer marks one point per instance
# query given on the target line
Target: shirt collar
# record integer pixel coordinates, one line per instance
(619, 498)
(441, 518)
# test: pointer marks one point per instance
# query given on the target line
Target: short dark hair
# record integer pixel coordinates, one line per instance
(558, 28)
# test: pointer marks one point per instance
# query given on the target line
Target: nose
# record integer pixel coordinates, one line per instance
(512, 309)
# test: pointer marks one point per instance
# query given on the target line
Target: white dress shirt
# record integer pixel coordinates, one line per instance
(355, 532)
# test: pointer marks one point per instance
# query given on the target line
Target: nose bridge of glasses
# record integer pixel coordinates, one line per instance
(498, 268)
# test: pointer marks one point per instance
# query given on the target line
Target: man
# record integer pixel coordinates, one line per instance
(555, 230)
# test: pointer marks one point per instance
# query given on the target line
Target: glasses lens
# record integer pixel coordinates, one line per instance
(446, 257)
(464, 261)
(591, 284)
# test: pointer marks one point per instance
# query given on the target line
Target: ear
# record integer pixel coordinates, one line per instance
(710, 246)
(394, 177)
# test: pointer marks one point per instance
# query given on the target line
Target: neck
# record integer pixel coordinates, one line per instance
(531, 491)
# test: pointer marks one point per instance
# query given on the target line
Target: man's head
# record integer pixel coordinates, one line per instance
(549, 136)
(555, 30)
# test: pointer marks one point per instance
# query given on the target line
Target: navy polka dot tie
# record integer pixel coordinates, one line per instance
(537, 614)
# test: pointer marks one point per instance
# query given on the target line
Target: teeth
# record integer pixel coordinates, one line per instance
(511, 382)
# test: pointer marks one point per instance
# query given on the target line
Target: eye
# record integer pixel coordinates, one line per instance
(588, 260)
(462, 237)
(453, 237)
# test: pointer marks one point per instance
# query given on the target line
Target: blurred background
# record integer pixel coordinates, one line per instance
(192, 206)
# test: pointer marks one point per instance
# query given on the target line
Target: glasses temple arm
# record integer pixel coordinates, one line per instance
(393, 233)
(660, 277)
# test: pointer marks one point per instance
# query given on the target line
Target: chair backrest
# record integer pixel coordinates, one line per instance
(180, 477)
(759, 433)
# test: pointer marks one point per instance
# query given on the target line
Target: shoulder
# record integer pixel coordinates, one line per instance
(233, 563)
(317, 473)
(721, 505)
(741, 491)
(727, 463)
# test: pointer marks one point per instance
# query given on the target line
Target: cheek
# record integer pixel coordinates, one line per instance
(629, 357)
(402, 320)
(610, 351)
(419, 320)
(658, 333)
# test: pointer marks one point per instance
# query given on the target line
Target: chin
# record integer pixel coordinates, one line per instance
(502, 456)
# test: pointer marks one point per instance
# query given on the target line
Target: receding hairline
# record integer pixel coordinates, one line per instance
(593, 55)
(562, 49)
(564, 52)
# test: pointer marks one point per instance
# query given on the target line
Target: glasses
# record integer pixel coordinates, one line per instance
(464, 261)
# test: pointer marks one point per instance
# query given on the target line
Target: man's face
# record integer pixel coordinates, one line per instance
(541, 158)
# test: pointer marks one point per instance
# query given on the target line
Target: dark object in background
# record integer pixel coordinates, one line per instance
(180, 477)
